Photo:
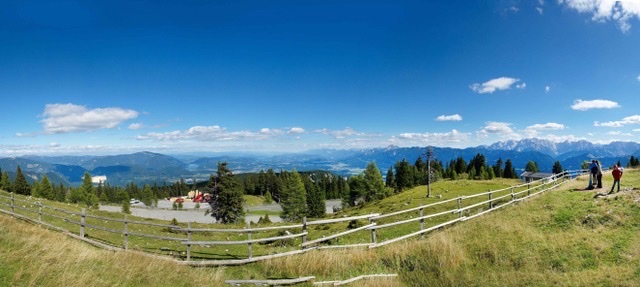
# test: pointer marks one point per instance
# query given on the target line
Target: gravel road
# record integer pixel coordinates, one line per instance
(189, 213)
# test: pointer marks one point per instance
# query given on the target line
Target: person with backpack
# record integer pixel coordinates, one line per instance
(593, 174)
(599, 174)
(617, 174)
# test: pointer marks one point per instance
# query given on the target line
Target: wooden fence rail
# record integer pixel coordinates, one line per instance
(451, 211)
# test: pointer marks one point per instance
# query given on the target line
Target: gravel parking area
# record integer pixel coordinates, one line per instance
(191, 214)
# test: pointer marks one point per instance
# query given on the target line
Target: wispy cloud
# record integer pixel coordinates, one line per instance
(540, 7)
(619, 133)
(70, 118)
(452, 137)
(136, 126)
(453, 118)
(502, 83)
(547, 89)
(607, 10)
(212, 133)
(638, 78)
(534, 130)
(581, 105)
(631, 120)
(340, 134)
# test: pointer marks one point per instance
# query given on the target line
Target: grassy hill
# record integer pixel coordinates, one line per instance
(561, 238)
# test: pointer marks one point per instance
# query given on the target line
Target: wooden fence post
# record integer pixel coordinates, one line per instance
(82, 221)
(304, 229)
(126, 233)
(490, 199)
(513, 196)
(40, 212)
(373, 231)
(189, 239)
(528, 189)
(13, 203)
(422, 221)
(460, 206)
(249, 238)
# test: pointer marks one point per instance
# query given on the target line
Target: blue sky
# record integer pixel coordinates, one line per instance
(104, 77)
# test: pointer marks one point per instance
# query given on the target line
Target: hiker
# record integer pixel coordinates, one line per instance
(599, 174)
(593, 173)
(617, 174)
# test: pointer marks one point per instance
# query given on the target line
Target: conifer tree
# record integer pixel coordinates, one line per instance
(88, 192)
(45, 188)
(315, 199)
(5, 182)
(390, 181)
(293, 198)
(557, 167)
(20, 184)
(226, 196)
(509, 171)
(374, 184)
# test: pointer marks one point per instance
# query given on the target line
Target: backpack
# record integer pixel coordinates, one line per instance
(594, 169)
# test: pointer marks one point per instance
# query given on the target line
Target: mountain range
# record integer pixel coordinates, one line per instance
(149, 167)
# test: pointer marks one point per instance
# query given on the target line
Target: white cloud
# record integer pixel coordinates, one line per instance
(454, 118)
(619, 133)
(540, 10)
(581, 105)
(212, 133)
(453, 136)
(296, 130)
(502, 83)
(638, 78)
(69, 118)
(135, 126)
(340, 134)
(620, 11)
(521, 86)
(630, 120)
(534, 130)
(496, 128)
(547, 89)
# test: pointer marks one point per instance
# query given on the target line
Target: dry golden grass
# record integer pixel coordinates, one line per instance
(33, 256)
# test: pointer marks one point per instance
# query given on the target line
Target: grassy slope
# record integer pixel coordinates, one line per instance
(562, 238)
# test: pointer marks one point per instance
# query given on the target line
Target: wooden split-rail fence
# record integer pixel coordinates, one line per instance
(197, 246)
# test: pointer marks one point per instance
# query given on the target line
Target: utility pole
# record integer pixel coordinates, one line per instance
(429, 155)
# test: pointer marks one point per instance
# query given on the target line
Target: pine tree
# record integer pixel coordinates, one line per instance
(404, 176)
(60, 193)
(509, 171)
(374, 183)
(293, 198)
(226, 201)
(5, 182)
(390, 181)
(20, 184)
(46, 190)
(497, 169)
(557, 167)
(531, 166)
(147, 196)
(315, 199)
(88, 192)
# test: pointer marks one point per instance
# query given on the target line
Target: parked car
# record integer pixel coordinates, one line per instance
(134, 201)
